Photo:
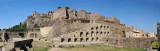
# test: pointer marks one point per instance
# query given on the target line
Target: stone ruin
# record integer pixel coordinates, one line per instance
(68, 27)
(100, 34)
(12, 43)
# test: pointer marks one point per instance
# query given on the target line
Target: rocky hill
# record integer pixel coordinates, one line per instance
(66, 20)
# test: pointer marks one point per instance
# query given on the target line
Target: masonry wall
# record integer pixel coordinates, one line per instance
(15, 34)
(129, 42)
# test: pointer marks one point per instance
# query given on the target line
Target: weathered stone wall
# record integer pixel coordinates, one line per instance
(33, 34)
(113, 19)
(129, 42)
(45, 31)
(63, 21)
(100, 34)
(16, 34)
(158, 32)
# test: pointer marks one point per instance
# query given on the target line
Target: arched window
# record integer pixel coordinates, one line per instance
(101, 34)
(81, 39)
(107, 32)
(87, 34)
(97, 39)
(81, 34)
(69, 39)
(62, 40)
(75, 40)
(87, 39)
(107, 27)
(92, 28)
(92, 34)
(92, 39)
(97, 34)
(96, 28)
(101, 26)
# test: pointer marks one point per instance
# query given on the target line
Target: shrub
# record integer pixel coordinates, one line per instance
(59, 7)
(60, 46)
(155, 45)
(71, 46)
(67, 7)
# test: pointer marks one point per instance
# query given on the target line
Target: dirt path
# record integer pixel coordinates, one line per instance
(57, 49)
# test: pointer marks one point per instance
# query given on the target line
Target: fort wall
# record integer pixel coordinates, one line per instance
(129, 42)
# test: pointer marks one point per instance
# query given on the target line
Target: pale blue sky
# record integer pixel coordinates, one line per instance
(143, 14)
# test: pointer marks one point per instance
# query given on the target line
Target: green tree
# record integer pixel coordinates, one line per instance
(155, 45)
(4, 29)
(67, 7)
(59, 7)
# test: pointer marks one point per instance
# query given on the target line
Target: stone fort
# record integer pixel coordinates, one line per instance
(68, 27)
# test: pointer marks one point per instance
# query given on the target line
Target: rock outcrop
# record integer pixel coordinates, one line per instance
(63, 21)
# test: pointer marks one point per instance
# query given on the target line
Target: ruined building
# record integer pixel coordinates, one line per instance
(68, 27)
(12, 43)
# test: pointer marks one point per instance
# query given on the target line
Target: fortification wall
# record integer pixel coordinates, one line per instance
(129, 42)
(108, 41)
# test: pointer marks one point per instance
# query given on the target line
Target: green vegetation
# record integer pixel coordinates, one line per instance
(41, 48)
(59, 7)
(18, 27)
(41, 45)
(155, 45)
(101, 48)
(42, 37)
(67, 7)
(4, 29)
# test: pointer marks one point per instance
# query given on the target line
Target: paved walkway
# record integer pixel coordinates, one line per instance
(57, 49)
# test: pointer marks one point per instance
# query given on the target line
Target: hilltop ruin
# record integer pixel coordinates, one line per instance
(68, 27)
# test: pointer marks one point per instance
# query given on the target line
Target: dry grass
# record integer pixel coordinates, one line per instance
(41, 48)
(101, 48)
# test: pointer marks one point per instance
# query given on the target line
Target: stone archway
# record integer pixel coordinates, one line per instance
(87, 39)
(69, 39)
(62, 40)
(81, 40)
(75, 40)
(92, 34)
(87, 34)
(81, 34)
